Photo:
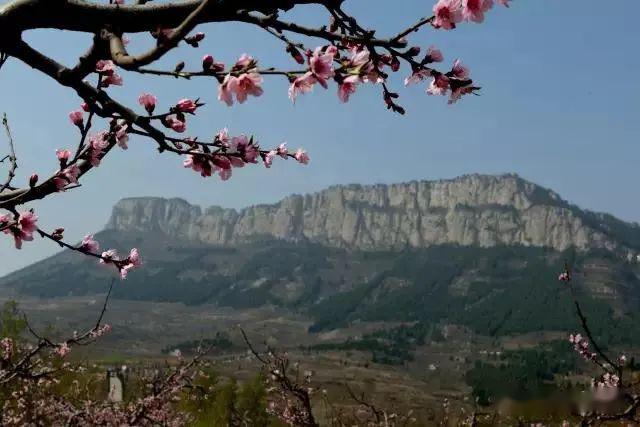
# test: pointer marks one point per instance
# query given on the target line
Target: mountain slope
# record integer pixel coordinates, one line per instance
(479, 256)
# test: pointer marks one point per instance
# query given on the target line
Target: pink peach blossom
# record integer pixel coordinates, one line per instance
(97, 145)
(186, 106)
(63, 155)
(89, 244)
(76, 117)
(176, 124)
(23, 229)
(105, 67)
(244, 62)
(112, 79)
(223, 137)
(224, 174)
(447, 14)
(243, 146)
(321, 65)
(222, 162)
(5, 219)
(282, 151)
(247, 84)
(236, 162)
(359, 56)
(210, 64)
(434, 54)
(66, 176)
(62, 350)
(148, 101)
(459, 70)
(457, 93)
(268, 158)
(301, 156)
(348, 87)
(27, 222)
(122, 137)
(473, 10)
(133, 261)
(225, 90)
(6, 348)
(108, 256)
(417, 76)
(301, 85)
(199, 164)
(439, 85)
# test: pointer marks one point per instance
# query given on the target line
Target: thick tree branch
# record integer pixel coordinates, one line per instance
(82, 16)
(165, 44)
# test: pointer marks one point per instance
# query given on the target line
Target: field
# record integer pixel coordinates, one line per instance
(142, 330)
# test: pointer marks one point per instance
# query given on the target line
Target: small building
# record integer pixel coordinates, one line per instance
(115, 381)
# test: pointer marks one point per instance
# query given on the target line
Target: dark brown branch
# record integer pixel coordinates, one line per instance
(268, 21)
(218, 75)
(87, 127)
(587, 330)
(253, 350)
(277, 367)
(414, 28)
(3, 59)
(128, 62)
(362, 401)
(79, 15)
(87, 62)
(13, 160)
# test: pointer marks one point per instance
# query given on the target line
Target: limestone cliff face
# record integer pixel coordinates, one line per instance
(479, 210)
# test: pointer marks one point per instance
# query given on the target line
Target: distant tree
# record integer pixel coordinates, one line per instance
(12, 323)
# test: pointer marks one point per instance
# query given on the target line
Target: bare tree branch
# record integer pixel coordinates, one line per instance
(13, 160)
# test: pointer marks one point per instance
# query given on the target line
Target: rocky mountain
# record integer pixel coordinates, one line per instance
(472, 210)
(479, 251)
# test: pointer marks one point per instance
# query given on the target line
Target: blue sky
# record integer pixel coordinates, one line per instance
(560, 106)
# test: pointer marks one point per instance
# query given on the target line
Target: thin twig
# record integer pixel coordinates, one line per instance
(587, 330)
(12, 155)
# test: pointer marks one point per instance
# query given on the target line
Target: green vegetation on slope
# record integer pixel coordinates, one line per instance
(521, 374)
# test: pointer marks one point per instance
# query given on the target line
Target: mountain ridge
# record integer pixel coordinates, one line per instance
(470, 210)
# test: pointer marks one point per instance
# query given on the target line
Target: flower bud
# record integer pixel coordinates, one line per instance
(295, 54)
(413, 51)
(207, 62)
(58, 234)
(76, 117)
